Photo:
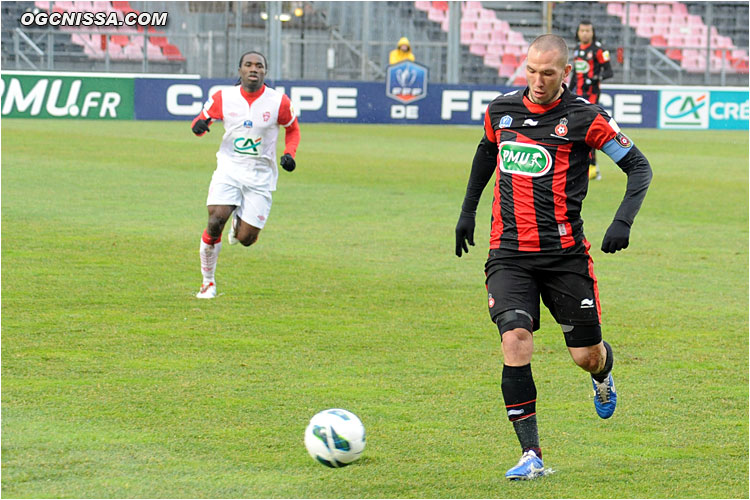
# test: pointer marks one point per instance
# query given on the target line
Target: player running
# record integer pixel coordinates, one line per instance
(538, 141)
(590, 66)
(246, 171)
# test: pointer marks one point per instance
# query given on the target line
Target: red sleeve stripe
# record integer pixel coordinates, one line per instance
(286, 112)
(599, 133)
(213, 107)
(488, 130)
(291, 138)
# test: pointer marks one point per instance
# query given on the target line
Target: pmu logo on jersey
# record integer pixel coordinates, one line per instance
(524, 159)
(581, 65)
(247, 146)
(406, 82)
(684, 109)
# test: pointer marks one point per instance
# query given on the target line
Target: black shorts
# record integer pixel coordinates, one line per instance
(564, 280)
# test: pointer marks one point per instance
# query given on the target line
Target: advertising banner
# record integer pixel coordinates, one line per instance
(405, 97)
(50, 95)
(701, 109)
(374, 102)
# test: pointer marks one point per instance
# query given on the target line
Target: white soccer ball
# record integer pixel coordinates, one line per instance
(335, 437)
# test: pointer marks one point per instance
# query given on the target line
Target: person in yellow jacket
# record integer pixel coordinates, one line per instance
(402, 52)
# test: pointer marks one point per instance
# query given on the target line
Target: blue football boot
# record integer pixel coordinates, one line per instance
(605, 397)
(529, 467)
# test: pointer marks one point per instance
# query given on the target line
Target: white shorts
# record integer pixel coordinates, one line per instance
(253, 206)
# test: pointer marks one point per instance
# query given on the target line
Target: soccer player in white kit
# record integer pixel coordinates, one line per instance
(246, 171)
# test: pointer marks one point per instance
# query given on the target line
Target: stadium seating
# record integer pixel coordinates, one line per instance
(486, 36)
(125, 46)
(670, 26)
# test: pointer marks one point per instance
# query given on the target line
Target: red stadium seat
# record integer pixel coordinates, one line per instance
(510, 60)
(659, 41)
(675, 54)
(172, 52)
(161, 41)
(740, 66)
(121, 40)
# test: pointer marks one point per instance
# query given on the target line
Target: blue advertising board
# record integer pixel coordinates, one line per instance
(369, 102)
(406, 97)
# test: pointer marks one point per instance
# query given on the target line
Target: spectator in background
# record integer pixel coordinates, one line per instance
(590, 66)
(402, 52)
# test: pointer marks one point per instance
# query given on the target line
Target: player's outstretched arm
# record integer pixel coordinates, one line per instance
(639, 173)
(481, 171)
(200, 126)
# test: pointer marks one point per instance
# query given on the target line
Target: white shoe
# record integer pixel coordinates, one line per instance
(232, 234)
(208, 291)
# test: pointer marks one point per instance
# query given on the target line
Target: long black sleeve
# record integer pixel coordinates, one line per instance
(482, 168)
(638, 170)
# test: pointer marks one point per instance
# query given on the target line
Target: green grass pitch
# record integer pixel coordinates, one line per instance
(117, 382)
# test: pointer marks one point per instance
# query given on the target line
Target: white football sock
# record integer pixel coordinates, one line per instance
(209, 257)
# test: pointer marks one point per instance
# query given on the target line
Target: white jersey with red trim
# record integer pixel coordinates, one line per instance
(251, 123)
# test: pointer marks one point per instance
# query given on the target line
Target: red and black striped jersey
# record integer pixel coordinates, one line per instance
(590, 65)
(542, 168)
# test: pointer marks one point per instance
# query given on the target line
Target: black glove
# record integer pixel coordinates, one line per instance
(617, 237)
(201, 127)
(464, 233)
(288, 163)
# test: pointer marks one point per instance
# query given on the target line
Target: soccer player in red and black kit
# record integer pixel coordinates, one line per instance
(590, 66)
(538, 142)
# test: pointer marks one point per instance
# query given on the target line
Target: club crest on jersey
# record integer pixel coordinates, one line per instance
(524, 159)
(247, 124)
(505, 121)
(266, 116)
(491, 301)
(247, 146)
(562, 128)
(622, 140)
